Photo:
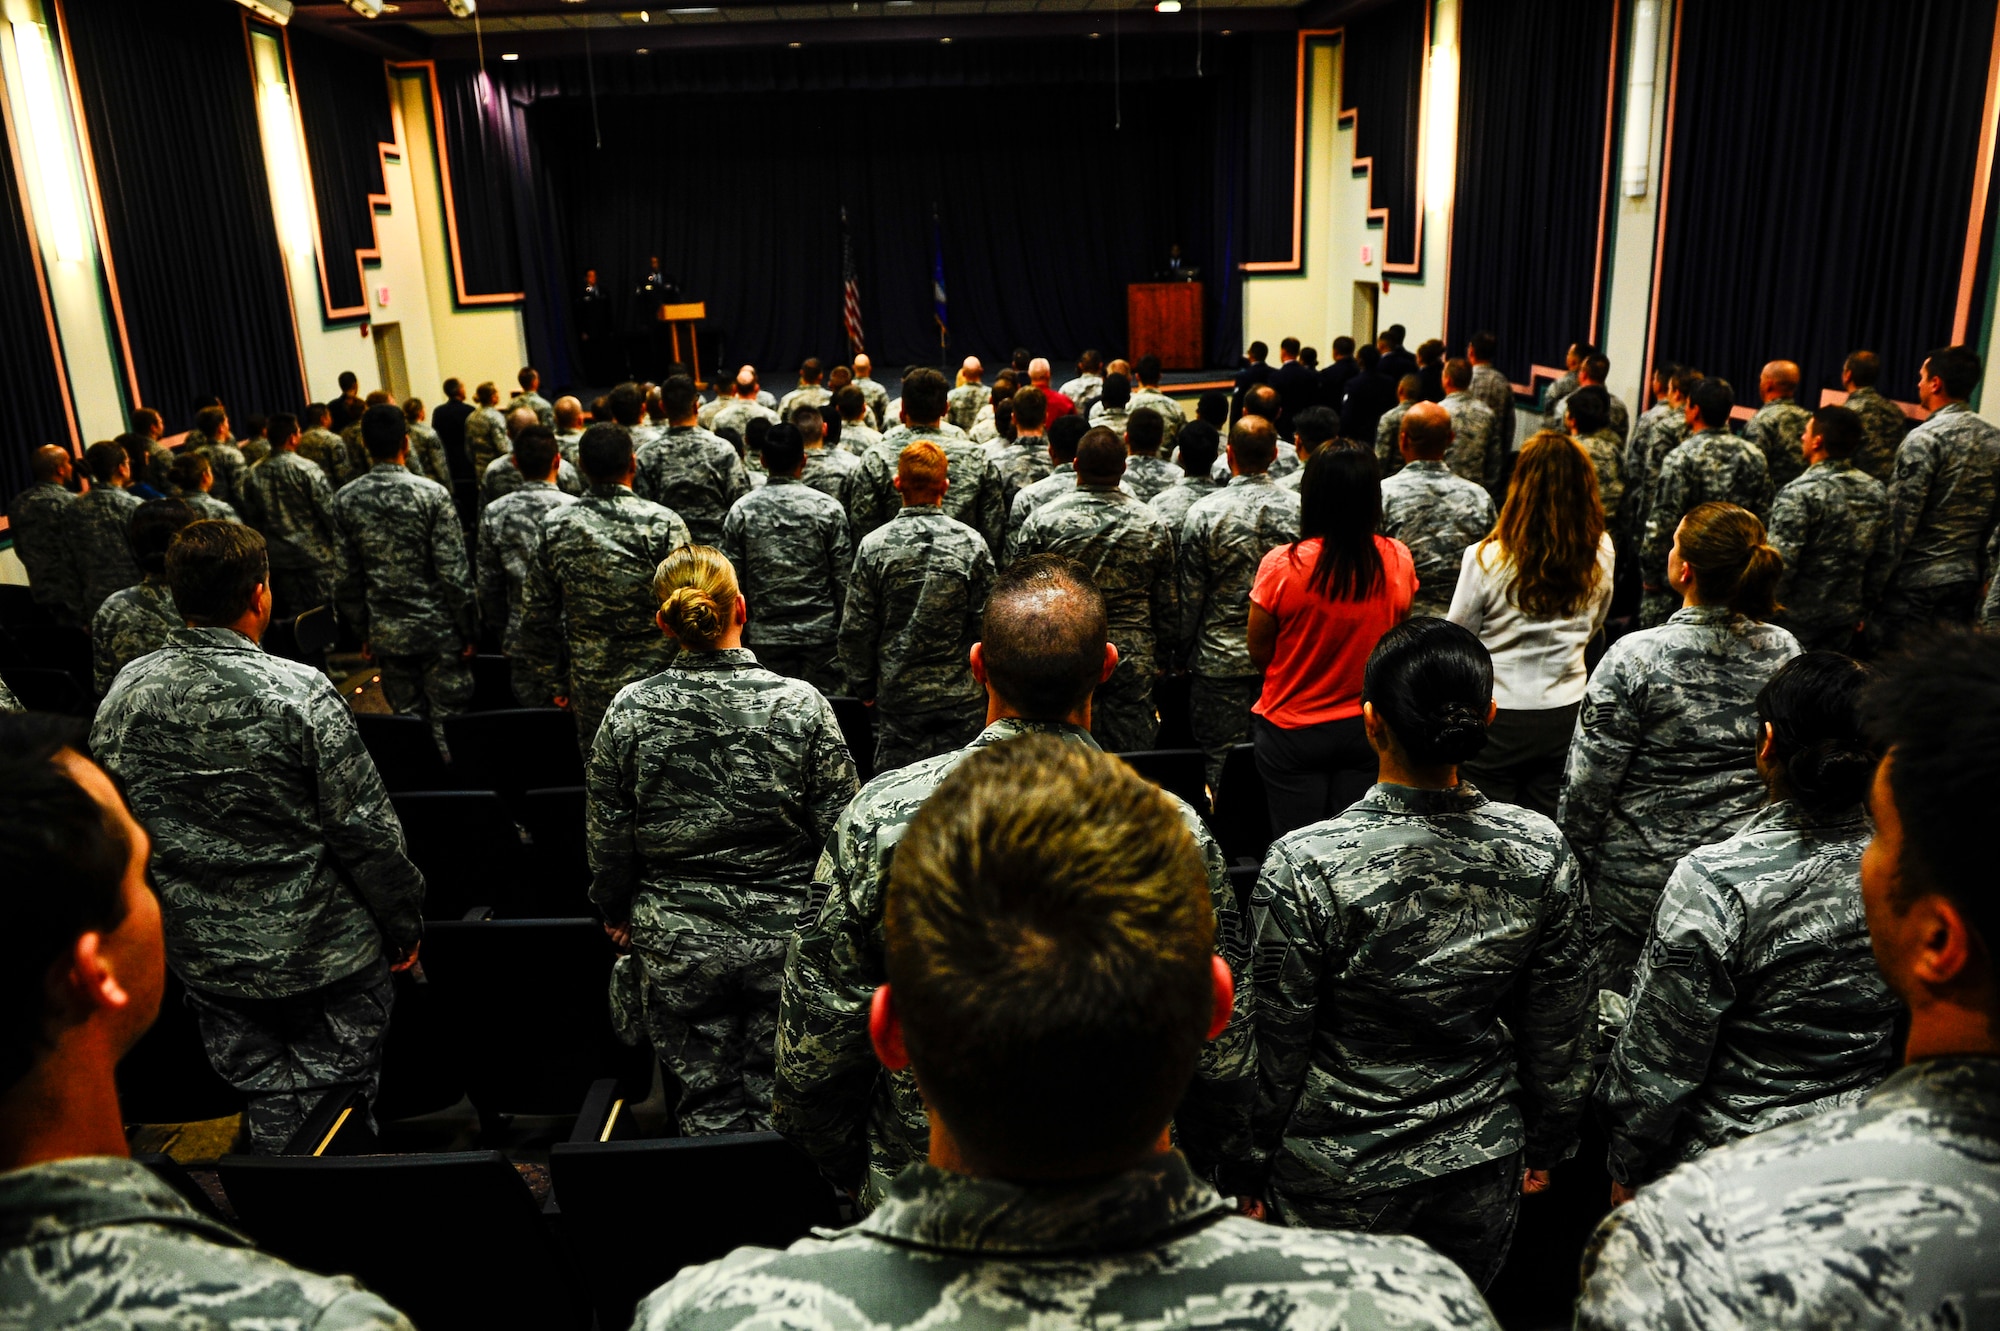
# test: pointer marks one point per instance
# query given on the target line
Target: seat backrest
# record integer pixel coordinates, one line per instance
(468, 847)
(1184, 772)
(1242, 808)
(857, 727)
(19, 606)
(43, 690)
(421, 1056)
(403, 750)
(454, 1239)
(754, 1188)
(315, 631)
(1173, 696)
(529, 1001)
(166, 1077)
(514, 748)
(560, 884)
(493, 684)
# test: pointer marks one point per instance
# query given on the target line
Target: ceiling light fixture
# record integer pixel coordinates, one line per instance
(462, 8)
(795, 45)
(944, 41)
(510, 56)
(644, 50)
(365, 8)
(1167, 7)
(278, 11)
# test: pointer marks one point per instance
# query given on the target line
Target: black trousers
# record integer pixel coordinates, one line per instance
(1522, 762)
(1312, 772)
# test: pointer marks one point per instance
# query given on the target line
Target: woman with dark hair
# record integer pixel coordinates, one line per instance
(1758, 1000)
(1536, 591)
(1423, 1036)
(1665, 753)
(1318, 607)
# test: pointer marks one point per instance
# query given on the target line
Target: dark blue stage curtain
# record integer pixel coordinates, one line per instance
(31, 410)
(1531, 167)
(1822, 174)
(1046, 210)
(1382, 74)
(172, 121)
(343, 100)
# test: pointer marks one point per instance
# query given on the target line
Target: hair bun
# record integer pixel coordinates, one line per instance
(1457, 731)
(693, 616)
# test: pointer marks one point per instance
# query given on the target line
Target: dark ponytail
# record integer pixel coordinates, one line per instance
(1431, 682)
(1813, 705)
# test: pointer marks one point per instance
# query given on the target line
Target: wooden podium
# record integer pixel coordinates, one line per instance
(1164, 319)
(673, 316)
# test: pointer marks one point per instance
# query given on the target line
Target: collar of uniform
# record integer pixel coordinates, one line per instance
(537, 485)
(1013, 727)
(211, 637)
(921, 510)
(1389, 797)
(1779, 402)
(597, 491)
(723, 658)
(1104, 488)
(1064, 469)
(1831, 465)
(387, 466)
(1708, 432)
(1950, 409)
(1459, 395)
(63, 1197)
(1434, 465)
(1961, 1084)
(928, 1207)
(1790, 816)
(1251, 478)
(1702, 614)
(780, 480)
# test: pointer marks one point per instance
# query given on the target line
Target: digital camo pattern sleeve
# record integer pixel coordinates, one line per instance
(128, 625)
(1608, 733)
(362, 831)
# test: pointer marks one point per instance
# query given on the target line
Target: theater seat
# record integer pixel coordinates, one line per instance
(1180, 771)
(18, 606)
(403, 750)
(1242, 809)
(751, 1188)
(166, 1077)
(44, 690)
(514, 748)
(454, 1240)
(469, 848)
(857, 727)
(492, 684)
(1172, 695)
(560, 886)
(168, 1171)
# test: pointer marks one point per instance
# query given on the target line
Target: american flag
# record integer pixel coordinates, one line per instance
(850, 289)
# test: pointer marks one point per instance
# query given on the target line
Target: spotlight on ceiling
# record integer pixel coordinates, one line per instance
(510, 56)
(278, 11)
(1167, 7)
(366, 8)
(462, 8)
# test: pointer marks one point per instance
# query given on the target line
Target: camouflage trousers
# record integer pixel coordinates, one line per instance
(811, 662)
(285, 1054)
(1219, 714)
(1468, 1214)
(902, 738)
(1122, 716)
(709, 1005)
(430, 686)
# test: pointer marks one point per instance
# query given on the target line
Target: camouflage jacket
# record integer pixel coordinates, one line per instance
(291, 502)
(1097, 414)
(545, 414)
(160, 461)
(1174, 502)
(1081, 385)
(1020, 464)
(1877, 1216)
(100, 1242)
(1222, 540)
(38, 521)
(1607, 458)
(131, 623)
(1707, 467)
(510, 532)
(1827, 524)
(965, 402)
(1060, 481)
(1659, 432)
(713, 786)
(1943, 501)
(1148, 1249)
(325, 450)
(1425, 991)
(1778, 429)
(1883, 425)
(1665, 753)
(503, 478)
(228, 464)
(8, 702)
(877, 398)
(1621, 416)
(1758, 1000)
(1494, 389)
(97, 541)
(1474, 453)
(278, 858)
(792, 556)
(427, 457)
(400, 577)
(737, 416)
(1130, 555)
(356, 450)
(831, 471)
(805, 395)
(696, 474)
(1168, 411)
(208, 508)
(486, 438)
(831, 1096)
(568, 443)
(1553, 399)
(914, 599)
(857, 438)
(587, 611)
(973, 495)
(1146, 476)
(1388, 434)
(1436, 514)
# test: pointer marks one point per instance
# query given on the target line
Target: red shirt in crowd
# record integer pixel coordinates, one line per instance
(1323, 644)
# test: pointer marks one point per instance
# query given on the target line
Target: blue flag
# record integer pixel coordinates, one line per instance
(937, 279)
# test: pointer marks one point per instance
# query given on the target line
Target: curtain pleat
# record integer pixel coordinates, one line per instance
(31, 410)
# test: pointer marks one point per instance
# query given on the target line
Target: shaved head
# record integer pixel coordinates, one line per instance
(972, 369)
(1038, 370)
(569, 413)
(746, 381)
(1427, 430)
(50, 463)
(1780, 375)
(519, 419)
(862, 365)
(1253, 445)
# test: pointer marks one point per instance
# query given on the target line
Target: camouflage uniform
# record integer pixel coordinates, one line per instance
(973, 496)
(256, 450)
(737, 416)
(1473, 453)
(1494, 389)
(1097, 414)
(568, 443)
(98, 545)
(805, 395)
(160, 462)
(545, 414)
(1709, 467)
(1883, 426)
(964, 403)
(1437, 515)
(510, 533)
(914, 599)
(705, 417)
(1664, 760)
(713, 785)
(1147, 1249)
(831, 471)
(8, 702)
(279, 863)
(1020, 465)
(587, 612)
(503, 478)
(1660, 432)
(862, 1125)
(1146, 475)
(1826, 524)
(1942, 511)
(857, 438)
(293, 506)
(1060, 481)
(100, 1242)
(1621, 416)
(129, 624)
(792, 556)
(1130, 555)
(324, 449)
(1388, 436)
(877, 398)
(1778, 429)
(1557, 391)
(1082, 391)
(227, 463)
(1222, 540)
(356, 450)
(427, 456)
(1607, 458)
(694, 473)
(1168, 411)
(1174, 502)
(38, 520)
(1423, 1015)
(1757, 1000)
(1880, 1215)
(486, 438)
(402, 584)
(207, 507)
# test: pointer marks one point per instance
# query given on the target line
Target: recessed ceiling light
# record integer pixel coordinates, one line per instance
(643, 51)
(944, 41)
(510, 56)
(795, 45)
(645, 17)
(1167, 7)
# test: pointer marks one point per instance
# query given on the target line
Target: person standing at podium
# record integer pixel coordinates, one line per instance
(593, 324)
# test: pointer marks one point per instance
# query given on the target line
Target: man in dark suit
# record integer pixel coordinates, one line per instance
(1396, 362)
(449, 422)
(1253, 372)
(1369, 395)
(1333, 380)
(1295, 382)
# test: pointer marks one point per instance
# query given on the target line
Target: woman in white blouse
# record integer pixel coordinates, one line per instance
(1536, 591)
